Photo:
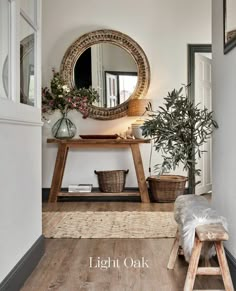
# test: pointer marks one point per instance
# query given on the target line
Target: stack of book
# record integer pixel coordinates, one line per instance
(80, 188)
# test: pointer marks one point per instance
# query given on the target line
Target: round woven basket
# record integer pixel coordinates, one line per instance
(111, 181)
(166, 188)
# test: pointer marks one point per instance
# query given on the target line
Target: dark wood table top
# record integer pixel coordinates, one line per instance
(97, 141)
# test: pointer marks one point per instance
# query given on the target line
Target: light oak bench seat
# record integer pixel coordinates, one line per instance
(206, 235)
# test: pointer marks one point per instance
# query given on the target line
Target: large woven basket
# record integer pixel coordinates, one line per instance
(111, 181)
(166, 188)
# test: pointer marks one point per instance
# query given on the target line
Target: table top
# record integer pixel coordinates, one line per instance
(97, 141)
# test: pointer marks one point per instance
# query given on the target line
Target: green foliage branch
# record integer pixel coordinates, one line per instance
(179, 128)
(63, 98)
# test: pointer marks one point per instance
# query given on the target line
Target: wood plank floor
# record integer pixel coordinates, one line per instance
(65, 265)
(107, 206)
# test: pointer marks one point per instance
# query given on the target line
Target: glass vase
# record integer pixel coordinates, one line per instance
(64, 128)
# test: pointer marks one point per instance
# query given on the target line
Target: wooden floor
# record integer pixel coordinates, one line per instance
(65, 265)
(107, 206)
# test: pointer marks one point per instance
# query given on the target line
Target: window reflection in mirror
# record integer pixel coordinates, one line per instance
(110, 70)
(119, 87)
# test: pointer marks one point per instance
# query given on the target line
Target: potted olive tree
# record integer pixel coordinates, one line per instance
(179, 128)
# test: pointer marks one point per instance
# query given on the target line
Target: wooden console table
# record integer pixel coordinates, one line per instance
(63, 147)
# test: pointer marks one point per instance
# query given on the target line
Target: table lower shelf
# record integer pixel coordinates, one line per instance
(97, 194)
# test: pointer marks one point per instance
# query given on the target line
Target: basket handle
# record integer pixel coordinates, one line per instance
(126, 172)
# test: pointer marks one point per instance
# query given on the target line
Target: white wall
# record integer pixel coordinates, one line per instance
(162, 28)
(231, 22)
(224, 139)
(117, 59)
(20, 166)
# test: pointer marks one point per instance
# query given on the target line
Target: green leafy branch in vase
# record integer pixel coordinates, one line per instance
(63, 98)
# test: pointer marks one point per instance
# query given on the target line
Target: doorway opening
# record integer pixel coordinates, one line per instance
(119, 87)
(200, 91)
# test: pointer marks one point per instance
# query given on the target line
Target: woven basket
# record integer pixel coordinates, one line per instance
(166, 188)
(111, 181)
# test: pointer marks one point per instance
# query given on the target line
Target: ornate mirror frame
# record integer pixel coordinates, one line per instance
(125, 42)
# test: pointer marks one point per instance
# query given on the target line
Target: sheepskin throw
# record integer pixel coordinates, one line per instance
(190, 211)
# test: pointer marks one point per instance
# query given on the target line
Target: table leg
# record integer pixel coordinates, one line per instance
(140, 173)
(58, 172)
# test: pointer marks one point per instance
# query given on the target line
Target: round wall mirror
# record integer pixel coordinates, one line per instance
(111, 63)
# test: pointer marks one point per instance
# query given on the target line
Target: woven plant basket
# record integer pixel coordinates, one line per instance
(166, 188)
(111, 181)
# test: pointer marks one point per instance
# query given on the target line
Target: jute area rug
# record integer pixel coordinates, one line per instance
(109, 224)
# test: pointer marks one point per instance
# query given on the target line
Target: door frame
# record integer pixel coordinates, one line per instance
(117, 73)
(192, 50)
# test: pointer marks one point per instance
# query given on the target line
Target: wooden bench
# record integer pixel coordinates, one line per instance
(216, 234)
(201, 231)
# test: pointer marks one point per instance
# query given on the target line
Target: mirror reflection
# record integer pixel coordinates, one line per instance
(229, 24)
(108, 69)
(26, 71)
(27, 74)
(4, 47)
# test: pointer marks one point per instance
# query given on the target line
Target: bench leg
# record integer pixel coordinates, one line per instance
(193, 265)
(224, 266)
(174, 252)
